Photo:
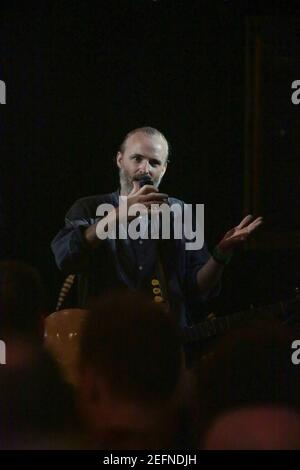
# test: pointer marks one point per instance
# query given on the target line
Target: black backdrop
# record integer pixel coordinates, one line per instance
(79, 75)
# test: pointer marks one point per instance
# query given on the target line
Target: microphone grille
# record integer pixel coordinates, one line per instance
(145, 180)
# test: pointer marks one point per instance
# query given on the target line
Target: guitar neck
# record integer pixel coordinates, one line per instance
(211, 328)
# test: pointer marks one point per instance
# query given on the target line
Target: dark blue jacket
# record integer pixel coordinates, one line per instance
(131, 264)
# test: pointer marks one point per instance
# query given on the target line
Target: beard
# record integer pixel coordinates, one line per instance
(126, 181)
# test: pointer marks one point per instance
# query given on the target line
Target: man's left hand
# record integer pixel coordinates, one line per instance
(239, 234)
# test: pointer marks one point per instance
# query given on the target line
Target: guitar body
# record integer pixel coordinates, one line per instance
(62, 338)
(63, 331)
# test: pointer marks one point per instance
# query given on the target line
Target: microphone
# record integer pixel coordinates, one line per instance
(145, 180)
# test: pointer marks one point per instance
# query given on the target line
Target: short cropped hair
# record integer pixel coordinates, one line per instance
(134, 345)
(151, 131)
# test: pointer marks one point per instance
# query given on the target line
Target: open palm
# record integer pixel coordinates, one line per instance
(239, 233)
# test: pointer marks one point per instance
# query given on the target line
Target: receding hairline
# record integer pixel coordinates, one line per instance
(147, 130)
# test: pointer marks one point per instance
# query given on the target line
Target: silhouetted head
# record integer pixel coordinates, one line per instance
(131, 372)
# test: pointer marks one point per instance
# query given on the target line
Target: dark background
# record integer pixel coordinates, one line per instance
(80, 75)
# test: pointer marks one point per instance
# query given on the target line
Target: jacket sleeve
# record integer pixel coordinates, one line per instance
(195, 260)
(70, 249)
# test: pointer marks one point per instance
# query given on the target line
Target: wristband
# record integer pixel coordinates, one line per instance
(220, 258)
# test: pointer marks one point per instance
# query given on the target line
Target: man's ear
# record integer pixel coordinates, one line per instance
(164, 169)
(119, 159)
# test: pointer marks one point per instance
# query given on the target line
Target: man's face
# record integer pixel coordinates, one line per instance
(143, 155)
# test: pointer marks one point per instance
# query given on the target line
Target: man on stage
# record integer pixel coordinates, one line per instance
(166, 269)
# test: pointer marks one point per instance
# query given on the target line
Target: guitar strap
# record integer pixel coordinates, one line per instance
(159, 283)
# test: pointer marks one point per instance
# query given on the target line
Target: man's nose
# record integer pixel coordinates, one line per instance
(145, 167)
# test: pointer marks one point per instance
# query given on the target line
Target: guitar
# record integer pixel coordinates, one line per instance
(282, 311)
(62, 338)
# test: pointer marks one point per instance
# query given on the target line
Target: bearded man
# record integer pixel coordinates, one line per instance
(183, 278)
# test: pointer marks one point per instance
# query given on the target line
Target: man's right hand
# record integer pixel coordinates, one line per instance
(140, 200)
